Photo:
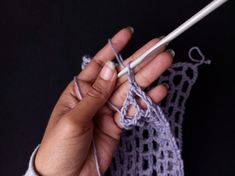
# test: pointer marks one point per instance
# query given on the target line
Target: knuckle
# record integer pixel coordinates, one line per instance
(145, 81)
(99, 61)
(73, 126)
(68, 124)
(97, 91)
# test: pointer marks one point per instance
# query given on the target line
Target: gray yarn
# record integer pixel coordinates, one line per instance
(151, 145)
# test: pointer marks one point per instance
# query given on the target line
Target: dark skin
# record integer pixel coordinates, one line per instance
(66, 148)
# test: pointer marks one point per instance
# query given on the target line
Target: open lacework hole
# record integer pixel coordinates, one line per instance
(145, 164)
(185, 86)
(129, 163)
(154, 173)
(155, 145)
(145, 148)
(177, 80)
(189, 73)
(169, 166)
(132, 107)
(131, 111)
(145, 134)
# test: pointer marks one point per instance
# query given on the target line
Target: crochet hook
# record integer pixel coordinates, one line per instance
(175, 33)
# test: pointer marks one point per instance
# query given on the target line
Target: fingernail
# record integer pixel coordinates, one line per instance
(172, 52)
(131, 29)
(107, 71)
(166, 85)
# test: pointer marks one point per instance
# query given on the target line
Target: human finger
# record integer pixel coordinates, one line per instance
(97, 95)
(119, 41)
(137, 54)
(144, 77)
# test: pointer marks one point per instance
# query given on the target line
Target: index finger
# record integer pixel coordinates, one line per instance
(119, 41)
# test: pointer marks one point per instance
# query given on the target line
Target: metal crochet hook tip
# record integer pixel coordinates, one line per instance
(171, 36)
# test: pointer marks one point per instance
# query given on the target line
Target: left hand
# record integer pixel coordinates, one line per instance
(66, 148)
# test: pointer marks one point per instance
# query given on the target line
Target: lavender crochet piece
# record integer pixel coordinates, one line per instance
(151, 143)
(180, 77)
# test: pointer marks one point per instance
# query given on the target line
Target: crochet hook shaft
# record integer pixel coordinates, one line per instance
(182, 28)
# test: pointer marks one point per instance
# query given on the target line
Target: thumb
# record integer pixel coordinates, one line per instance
(96, 96)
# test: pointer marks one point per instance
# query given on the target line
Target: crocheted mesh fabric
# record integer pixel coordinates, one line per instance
(150, 147)
(180, 78)
(151, 142)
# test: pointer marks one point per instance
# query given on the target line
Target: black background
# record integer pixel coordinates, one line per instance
(41, 46)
